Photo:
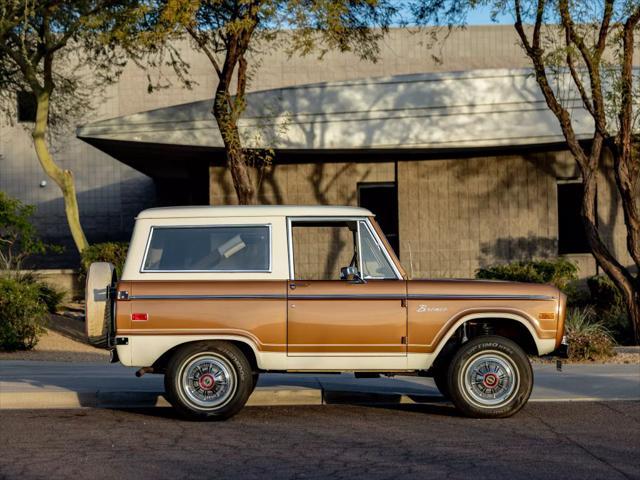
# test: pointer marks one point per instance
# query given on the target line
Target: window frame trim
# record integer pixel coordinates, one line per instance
(382, 248)
(372, 230)
(152, 228)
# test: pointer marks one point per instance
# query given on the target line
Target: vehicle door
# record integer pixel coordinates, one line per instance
(345, 296)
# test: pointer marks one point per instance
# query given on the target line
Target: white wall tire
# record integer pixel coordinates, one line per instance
(208, 380)
(100, 276)
(490, 377)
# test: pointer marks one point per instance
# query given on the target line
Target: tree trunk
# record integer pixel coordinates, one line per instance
(236, 159)
(621, 277)
(63, 178)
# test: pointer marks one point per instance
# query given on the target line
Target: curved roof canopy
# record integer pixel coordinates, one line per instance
(470, 109)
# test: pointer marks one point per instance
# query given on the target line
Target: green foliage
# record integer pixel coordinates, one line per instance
(83, 56)
(604, 293)
(18, 237)
(588, 339)
(559, 272)
(49, 295)
(22, 314)
(112, 252)
(610, 307)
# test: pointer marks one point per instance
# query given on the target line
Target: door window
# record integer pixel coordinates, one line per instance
(322, 248)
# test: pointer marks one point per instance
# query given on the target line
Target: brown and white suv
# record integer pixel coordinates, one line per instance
(213, 296)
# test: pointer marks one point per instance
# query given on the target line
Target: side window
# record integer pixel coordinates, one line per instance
(321, 249)
(209, 249)
(374, 261)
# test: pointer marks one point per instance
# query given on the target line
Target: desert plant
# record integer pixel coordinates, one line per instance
(588, 339)
(559, 272)
(112, 252)
(22, 314)
(18, 236)
(51, 296)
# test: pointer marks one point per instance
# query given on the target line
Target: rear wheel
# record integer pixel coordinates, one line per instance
(490, 377)
(208, 380)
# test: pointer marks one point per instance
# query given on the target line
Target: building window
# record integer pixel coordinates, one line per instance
(382, 200)
(27, 106)
(571, 235)
(209, 249)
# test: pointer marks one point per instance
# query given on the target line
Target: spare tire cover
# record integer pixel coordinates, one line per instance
(100, 276)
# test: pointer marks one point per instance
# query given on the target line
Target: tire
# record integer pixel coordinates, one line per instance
(490, 377)
(194, 380)
(441, 379)
(254, 380)
(98, 307)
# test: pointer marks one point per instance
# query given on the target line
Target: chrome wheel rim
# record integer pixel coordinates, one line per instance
(208, 381)
(490, 379)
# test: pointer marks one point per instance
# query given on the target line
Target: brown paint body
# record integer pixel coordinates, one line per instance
(381, 317)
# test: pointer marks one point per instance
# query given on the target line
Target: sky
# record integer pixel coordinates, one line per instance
(482, 16)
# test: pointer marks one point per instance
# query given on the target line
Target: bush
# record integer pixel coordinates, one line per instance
(609, 306)
(588, 339)
(604, 294)
(18, 236)
(112, 252)
(22, 315)
(559, 272)
(51, 296)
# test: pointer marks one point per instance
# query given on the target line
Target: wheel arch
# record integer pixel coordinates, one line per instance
(517, 327)
(246, 346)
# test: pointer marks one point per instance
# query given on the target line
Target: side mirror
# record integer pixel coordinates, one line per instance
(351, 274)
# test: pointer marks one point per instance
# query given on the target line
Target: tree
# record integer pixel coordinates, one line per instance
(592, 46)
(228, 31)
(48, 49)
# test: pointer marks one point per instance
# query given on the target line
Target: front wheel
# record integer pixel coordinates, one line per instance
(208, 380)
(490, 377)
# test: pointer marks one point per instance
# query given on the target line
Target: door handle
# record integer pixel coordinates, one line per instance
(293, 286)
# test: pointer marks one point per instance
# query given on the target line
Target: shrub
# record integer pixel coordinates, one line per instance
(112, 252)
(609, 305)
(604, 294)
(18, 236)
(51, 296)
(559, 272)
(588, 339)
(22, 314)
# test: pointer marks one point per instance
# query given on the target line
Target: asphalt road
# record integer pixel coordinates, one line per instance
(545, 440)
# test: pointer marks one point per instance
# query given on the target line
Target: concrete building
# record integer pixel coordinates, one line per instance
(459, 157)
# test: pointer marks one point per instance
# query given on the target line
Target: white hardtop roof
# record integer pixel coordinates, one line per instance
(255, 211)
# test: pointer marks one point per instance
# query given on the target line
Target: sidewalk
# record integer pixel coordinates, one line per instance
(29, 384)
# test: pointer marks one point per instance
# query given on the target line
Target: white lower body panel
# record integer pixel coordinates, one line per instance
(144, 350)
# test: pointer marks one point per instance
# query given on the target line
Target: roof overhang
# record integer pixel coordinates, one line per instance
(477, 109)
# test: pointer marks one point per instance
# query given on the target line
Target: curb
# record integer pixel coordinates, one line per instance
(261, 397)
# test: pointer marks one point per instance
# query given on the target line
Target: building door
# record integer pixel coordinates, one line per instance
(382, 200)
(340, 318)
